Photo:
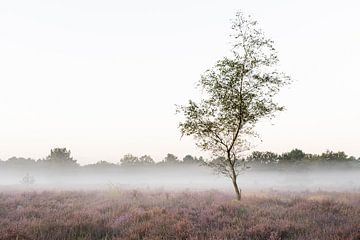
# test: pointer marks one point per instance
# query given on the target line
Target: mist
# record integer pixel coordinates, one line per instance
(190, 177)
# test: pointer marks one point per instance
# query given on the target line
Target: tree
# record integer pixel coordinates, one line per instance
(146, 160)
(334, 156)
(101, 165)
(61, 156)
(129, 160)
(171, 159)
(188, 159)
(237, 92)
(293, 155)
(263, 157)
(20, 162)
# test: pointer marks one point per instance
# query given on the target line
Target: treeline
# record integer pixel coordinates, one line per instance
(298, 159)
(61, 158)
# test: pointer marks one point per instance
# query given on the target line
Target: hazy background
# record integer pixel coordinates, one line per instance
(102, 77)
(181, 177)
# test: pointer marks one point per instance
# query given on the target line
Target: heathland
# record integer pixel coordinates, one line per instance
(132, 214)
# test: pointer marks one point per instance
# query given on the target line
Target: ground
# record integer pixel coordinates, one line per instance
(134, 214)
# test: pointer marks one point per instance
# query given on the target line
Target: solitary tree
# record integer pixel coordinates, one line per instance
(237, 92)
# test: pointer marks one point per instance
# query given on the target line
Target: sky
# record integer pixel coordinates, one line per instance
(102, 78)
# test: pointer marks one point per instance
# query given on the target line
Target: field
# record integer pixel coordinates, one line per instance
(134, 214)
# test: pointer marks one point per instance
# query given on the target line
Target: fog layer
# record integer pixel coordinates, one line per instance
(181, 177)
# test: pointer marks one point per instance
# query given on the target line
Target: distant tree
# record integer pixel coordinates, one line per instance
(104, 163)
(188, 159)
(146, 160)
(311, 157)
(333, 156)
(101, 164)
(201, 160)
(293, 155)
(263, 157)
(129, 160)
(61, 157)
(171, 159)
(238, 92)
(20, 162)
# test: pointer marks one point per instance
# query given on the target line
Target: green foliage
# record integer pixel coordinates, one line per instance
(334, 156)
(263, 157)
(293, 155)
(237, 92)
(296, 158)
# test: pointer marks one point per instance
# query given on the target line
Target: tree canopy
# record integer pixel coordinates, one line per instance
(60, 156)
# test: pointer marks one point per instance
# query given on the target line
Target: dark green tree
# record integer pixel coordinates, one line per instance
(293, 155)
(61, 157)
(333, 156)
(237, 92)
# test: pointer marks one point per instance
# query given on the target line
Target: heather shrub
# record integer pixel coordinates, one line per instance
(138, 214)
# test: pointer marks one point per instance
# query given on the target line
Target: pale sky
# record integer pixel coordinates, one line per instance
(102, 77)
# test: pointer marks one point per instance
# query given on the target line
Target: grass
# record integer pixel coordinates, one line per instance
(133, 214)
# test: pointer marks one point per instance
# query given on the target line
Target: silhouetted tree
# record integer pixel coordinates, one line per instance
(333, 156)
(267, 158)
(146, 160)
(101, 164)
(188, 159)
(171, 159)
(61, 157)
(129, 160)
(20, 162)
(293, 155)
(238, 92)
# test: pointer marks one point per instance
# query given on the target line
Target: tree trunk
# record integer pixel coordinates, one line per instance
(237, 190)
(233, 177)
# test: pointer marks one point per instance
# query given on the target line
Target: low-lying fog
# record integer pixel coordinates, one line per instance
(181, 177)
